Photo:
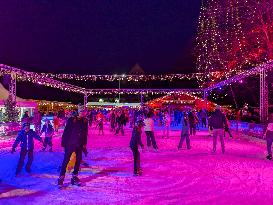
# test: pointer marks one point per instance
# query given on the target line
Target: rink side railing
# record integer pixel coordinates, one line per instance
(251, 129)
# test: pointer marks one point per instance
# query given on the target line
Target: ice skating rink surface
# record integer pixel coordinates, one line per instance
(240, 176)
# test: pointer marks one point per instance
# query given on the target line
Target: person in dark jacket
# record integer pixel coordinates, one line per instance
(49, 131)
(25, 137)
(193, 120)
(74, 139)
(185, 132)
(218, 123)
(120, 121)
(135, 141)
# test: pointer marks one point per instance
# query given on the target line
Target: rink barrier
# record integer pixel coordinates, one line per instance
(9, 128)
(251, 129)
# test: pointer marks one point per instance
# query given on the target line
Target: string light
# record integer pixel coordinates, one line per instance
(233, 35)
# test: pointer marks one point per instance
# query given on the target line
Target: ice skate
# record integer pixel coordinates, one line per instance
(76, 181)
(61, 182)
(269, 157)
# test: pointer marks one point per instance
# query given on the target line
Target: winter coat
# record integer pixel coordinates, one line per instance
(193, 119)
(75, 133)
(218, 120)
(26, 139)
(47, 130)
(149, 124)
(136, 139)
(185, 127)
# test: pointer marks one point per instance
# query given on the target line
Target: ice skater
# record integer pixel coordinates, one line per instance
(166, 122)
(74, 139)
(218, 122)
(49, 132)
(100, 120)
(269, 137)
(56, 123)
(185, 132)
(135, 141)
(25, 137)
(149, 131)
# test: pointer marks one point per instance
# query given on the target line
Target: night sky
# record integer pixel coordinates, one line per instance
(99, 36)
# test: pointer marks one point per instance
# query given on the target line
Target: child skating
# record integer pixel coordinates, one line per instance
(135, 141)
(25, 137)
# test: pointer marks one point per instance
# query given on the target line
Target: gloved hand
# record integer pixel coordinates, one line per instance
(13, 150)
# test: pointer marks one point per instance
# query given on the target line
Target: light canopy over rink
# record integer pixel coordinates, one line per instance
(241, 176)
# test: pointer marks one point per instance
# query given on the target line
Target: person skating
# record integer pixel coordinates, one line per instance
(166, 123)
(25, 137)
(269, 137)
(120, 121)
(218, 122)
(185, 132)
(135, 141)
(56, 123)
(193, 120)
(149, 131)
(100, 119)
(49, 131)
(226, 129)
(74, 139)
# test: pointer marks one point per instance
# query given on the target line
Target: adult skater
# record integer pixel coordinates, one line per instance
(149, 131)
(49, 131)
(166, 123)
(269, 137)
(193, 120)
(203, 115)
(218, 122)
(135, 141)
(74, 139)
(25, 137)
(185, 132)
(120, 121)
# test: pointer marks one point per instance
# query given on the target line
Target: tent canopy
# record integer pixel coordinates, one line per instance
(4, 94)
(180, 100)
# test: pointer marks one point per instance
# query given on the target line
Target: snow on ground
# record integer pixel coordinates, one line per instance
(240, 176)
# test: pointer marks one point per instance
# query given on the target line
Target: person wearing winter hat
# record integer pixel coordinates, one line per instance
(49, 132)
(135, 141)
(25, 137)
(74, 139)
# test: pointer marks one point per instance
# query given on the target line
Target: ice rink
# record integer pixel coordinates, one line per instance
(240, 176)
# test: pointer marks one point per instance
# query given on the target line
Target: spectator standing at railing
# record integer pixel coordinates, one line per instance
(268, 135)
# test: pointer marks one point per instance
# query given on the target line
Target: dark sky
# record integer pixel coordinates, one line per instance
(99, 36)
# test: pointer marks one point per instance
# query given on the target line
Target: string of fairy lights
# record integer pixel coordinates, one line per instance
(50, 82)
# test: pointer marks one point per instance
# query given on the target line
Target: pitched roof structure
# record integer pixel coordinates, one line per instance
(136, 70)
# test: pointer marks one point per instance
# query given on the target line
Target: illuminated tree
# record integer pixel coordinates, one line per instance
(233, 35)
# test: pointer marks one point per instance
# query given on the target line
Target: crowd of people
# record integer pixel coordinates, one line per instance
(77, 123)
